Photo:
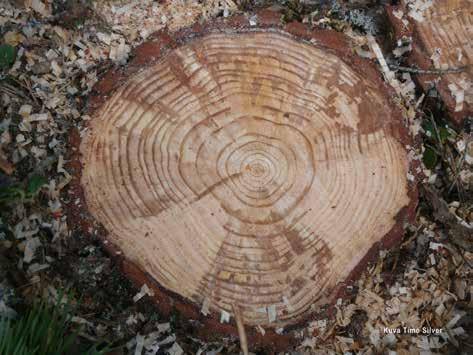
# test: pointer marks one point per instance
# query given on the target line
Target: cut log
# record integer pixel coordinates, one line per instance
(249, 167)
(442, 35)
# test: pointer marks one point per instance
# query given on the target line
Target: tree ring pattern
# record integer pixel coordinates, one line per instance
(246, 168)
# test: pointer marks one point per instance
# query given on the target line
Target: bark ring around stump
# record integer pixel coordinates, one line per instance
(258, 167)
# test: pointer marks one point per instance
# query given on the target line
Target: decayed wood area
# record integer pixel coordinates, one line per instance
(442, 33)
(250, 169)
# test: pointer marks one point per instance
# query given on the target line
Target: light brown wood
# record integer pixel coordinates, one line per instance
(249, 169)
(446, 32)
(241, 329)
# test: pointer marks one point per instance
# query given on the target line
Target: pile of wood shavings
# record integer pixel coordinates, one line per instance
(434, 293)
(138, 19)
(42, 96)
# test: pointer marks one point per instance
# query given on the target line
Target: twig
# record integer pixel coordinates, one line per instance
(241, 329)
(437, 136)
(26, 85)
(88, 337)
(12, 91)
(427, 71)
(447, 157)
(460, 165)
(396, 260)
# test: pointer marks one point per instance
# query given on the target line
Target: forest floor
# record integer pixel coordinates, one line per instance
(51, 55)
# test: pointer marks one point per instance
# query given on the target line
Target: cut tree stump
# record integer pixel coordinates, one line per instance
(257, 167)
(442, 39)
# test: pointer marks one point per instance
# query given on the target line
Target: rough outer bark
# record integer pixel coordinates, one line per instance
(261, 167)
(447, 26)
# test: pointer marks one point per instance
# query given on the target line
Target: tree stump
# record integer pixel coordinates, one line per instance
(442, 34)
(250, 167)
